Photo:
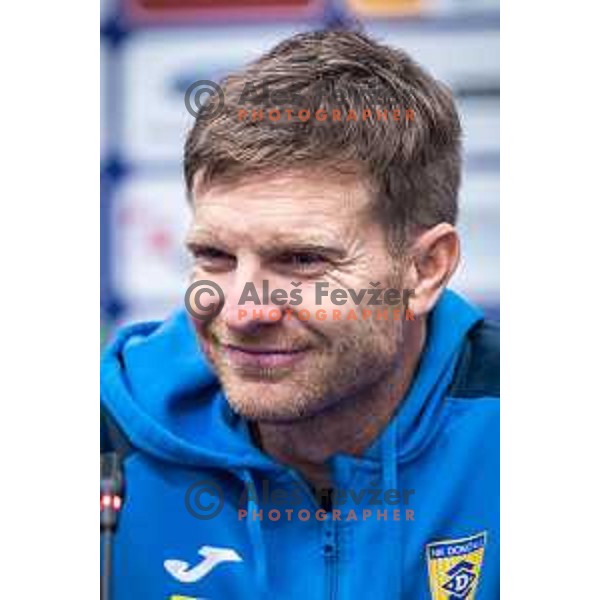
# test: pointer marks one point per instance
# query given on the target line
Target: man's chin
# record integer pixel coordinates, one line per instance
(270, 401)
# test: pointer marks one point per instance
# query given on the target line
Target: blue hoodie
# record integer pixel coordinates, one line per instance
(208, 515)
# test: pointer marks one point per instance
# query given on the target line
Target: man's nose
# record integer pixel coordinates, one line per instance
(249, 306)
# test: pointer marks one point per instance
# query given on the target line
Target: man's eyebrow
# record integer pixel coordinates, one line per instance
(271, 251)
(277, 244)
(194, 235)
(301, 242)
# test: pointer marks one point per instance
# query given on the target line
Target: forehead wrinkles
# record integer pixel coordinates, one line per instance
(301, 192)
(267, 230)
(310, 209)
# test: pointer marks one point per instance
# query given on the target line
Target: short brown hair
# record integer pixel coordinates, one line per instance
(413, 168)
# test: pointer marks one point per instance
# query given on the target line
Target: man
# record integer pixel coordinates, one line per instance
(328, 428)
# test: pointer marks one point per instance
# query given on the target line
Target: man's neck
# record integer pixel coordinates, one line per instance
(349, 426)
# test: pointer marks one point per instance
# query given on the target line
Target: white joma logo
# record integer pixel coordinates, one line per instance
(212, 557)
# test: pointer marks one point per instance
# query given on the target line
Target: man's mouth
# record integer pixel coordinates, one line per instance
(262, 357)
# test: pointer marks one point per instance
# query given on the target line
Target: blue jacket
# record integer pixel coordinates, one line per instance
(195, 480)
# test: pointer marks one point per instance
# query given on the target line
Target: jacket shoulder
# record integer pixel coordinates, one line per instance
(112, 437)
(477, 373)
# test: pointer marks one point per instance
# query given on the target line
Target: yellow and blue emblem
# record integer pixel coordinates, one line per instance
(455, 567)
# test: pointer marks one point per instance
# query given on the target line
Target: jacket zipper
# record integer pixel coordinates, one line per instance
(329, 544)
(330, 554)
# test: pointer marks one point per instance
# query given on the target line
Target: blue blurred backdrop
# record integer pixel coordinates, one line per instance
(151, 50)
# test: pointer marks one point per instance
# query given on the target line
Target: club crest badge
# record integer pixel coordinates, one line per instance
(455, 567)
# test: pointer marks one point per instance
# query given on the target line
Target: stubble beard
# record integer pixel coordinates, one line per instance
(330, 374)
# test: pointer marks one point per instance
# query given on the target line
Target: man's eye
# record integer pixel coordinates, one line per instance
(207, 252)
(302, 261)
(210, 257)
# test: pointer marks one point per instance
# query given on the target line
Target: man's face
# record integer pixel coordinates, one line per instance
(281, 362)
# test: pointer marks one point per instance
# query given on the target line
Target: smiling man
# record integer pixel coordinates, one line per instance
(271, 454)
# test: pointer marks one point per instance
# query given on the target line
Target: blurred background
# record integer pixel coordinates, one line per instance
(152, 50)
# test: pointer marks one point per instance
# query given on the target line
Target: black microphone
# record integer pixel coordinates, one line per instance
(112, 493)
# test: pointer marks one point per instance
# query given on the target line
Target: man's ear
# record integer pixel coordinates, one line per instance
(434, 256)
